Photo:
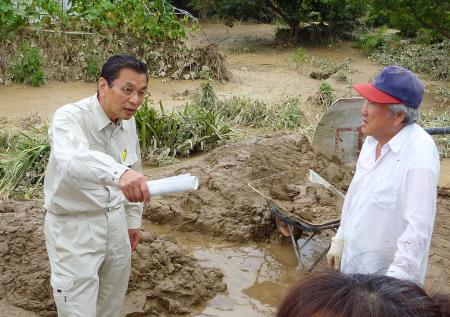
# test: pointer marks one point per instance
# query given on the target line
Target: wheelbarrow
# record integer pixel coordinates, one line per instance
(287, 223)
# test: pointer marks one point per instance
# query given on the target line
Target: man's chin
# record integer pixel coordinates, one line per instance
(365, 131)
(127, 116)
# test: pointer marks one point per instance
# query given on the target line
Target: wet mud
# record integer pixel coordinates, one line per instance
(224, 205)
(167, 280)
(438, 272)
(300, 198)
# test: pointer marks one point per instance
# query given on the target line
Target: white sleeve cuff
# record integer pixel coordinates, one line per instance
(115, 172)
(134, 215)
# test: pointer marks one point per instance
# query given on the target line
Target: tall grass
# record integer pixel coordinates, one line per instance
(203, 124)
(239, 111)
(23, 165)
(167, 135)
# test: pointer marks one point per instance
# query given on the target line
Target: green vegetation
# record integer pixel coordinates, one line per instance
(325, 94)
(207, 122)
(203, 124)
(298, 58)
(75, 43)
(411, 16)
(300, 18)
(22, 167)
(246, 112)
(428, 59)
(27, 66)
(167, 135)
(372, 41)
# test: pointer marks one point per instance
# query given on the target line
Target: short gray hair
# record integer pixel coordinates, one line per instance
(411, 114)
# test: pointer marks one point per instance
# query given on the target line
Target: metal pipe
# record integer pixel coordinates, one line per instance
(433, 131)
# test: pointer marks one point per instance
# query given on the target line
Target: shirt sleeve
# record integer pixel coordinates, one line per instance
(134, 210)
(419, 213)
(75, 160)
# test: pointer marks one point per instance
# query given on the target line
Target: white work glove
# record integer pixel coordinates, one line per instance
(334, 255)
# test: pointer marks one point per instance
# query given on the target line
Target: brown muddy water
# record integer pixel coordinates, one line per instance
(257, 274)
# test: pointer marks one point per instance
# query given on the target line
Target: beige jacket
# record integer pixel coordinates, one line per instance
(88, 155)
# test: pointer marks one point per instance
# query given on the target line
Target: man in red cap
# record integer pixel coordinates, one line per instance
(389, 210)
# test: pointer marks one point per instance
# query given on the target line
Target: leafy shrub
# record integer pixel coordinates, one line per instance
(370, 42)
(326, 94)
(337, 15)
(410, 16)
(76, 42)
(27, 66)
(428, 59)
(298, 58)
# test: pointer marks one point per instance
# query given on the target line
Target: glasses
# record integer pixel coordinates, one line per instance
(130, 92)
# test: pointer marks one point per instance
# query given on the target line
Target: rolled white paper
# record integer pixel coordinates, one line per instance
(174, 184)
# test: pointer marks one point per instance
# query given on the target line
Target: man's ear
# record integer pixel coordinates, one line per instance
(102, 86)
(399, 118)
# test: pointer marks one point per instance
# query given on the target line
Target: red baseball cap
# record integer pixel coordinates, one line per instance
(368, 91)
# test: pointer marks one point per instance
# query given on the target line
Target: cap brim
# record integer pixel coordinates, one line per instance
(368, 91)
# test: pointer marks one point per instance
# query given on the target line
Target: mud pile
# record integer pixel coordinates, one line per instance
(225, 205)
(170, 280)
(296, 195)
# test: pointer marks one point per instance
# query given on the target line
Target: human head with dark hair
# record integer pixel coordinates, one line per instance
(122, 86)
(114, 64)
(335, 294)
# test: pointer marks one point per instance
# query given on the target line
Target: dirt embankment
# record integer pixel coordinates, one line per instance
(225, 205)
(170, 280)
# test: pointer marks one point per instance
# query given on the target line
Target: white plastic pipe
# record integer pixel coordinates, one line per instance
(174, 184)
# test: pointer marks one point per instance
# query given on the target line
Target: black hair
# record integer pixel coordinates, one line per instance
(335, 294)
(114, 64)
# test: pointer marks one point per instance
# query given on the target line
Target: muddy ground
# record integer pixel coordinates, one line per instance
(164, 277)
(227, 207)
(224, 205)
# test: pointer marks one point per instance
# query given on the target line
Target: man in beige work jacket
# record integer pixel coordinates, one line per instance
(94, 192)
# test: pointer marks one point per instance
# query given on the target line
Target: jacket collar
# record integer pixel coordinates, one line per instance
(101, 119)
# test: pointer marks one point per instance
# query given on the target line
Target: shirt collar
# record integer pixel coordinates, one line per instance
(101, 119)
(400, 138)
(396, 142)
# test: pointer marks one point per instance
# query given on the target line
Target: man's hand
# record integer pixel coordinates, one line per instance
(334, 255)
(134, 186)
(135, 236)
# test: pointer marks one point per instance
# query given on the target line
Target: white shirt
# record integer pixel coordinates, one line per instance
(389, 210)
(87, 159)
